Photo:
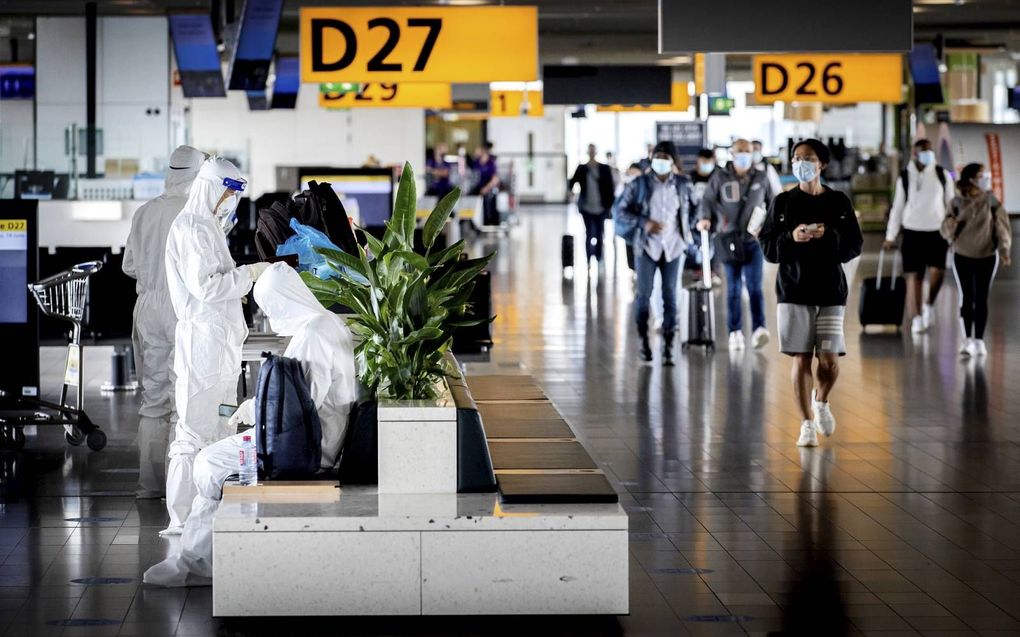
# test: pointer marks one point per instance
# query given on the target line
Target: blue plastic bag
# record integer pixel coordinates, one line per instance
(303, 244)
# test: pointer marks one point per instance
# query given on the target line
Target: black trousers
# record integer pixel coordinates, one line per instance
(974, 277)
(594, 231)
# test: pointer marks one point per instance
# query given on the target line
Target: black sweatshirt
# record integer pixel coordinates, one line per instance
(811, 273)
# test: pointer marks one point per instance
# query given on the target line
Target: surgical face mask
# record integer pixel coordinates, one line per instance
(706, 167)
(662, 166)
(742, 161)
(757, 156)
(804, 171)
(926, 157)
(984, 181)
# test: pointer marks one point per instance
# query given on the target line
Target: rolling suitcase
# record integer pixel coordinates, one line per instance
(698, 328)
(567, 251)
(883, 298)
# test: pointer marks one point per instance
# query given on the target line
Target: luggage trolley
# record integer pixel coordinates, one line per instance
(62, 296)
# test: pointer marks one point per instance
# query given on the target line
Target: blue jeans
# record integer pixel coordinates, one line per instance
(747, 273)
(645, 267)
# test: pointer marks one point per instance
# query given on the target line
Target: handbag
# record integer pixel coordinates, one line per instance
(729, 245)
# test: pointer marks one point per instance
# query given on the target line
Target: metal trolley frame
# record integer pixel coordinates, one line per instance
(63, 296)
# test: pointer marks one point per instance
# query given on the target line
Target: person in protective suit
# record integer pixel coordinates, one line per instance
(206, 288)
(322, 343)
(152, 334)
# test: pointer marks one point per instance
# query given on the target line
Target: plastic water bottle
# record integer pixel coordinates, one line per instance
(248, 464)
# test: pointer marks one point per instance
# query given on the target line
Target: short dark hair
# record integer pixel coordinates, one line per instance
(820, 149)
(668, 148)
(968, 175)
(922, 142)
(707, 153)
(756, 141)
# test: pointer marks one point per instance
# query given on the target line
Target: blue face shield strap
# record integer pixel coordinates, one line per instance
(234, 184)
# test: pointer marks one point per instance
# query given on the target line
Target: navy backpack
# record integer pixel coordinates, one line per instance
(288, 433)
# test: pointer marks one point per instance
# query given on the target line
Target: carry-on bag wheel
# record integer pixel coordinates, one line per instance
(74, 437)
(96, 440)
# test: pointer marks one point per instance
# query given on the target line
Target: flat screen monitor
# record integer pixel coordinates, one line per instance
(17, 82)
(924, 70)
(18, 315)
(257, 101)
(288, 81)
(35, 184)
(256, 41)
(198, 61)
(572, 85)
(366, 193)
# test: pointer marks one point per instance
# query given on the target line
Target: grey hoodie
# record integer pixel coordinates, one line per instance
(975, 223)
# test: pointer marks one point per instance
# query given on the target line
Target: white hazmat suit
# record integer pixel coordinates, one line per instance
(206, 288)
(152, 335)
(322, 343)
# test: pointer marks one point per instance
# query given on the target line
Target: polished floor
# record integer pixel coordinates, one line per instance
(906, 521)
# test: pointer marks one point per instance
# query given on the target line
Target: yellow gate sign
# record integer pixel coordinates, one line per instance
(511, 104)
(829, 79)
(386, 95)
(419, 44)
(679, 101)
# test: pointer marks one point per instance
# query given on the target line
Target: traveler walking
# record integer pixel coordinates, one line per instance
(594, 201)
(921, 200)
(775, 186)
(732, 195)
(438, 172)
(649, 214)
(977, 227)
(811, 231)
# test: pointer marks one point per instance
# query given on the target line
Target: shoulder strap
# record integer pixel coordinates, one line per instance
(941, 175)
(905, 180)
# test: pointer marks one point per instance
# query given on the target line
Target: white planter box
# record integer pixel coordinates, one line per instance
(418, 445)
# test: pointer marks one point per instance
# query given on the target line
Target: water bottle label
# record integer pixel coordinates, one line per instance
(242, 457)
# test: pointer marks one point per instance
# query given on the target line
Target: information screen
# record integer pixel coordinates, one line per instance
(13, 270)
(197, 59)
(367, 194)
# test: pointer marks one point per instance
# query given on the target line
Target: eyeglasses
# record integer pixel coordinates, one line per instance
(234, 184)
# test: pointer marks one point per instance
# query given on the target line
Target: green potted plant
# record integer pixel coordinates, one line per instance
(406, 307)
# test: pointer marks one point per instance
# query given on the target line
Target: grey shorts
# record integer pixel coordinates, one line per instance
(811, 329)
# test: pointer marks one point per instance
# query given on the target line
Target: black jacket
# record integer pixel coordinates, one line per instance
(605, 186)
(811, 273)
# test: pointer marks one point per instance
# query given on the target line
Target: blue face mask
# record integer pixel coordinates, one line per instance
(743, 161)
(804, 171)
(662, 166)
(706, 168)
(926, 157)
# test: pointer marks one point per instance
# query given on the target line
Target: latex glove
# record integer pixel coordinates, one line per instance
(256, 269)
(245, 414)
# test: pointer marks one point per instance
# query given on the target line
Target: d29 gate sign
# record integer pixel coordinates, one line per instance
(829, 79)
(419, 44)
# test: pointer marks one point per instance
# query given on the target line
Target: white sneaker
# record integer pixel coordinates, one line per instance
(808, 435)
(917, 326)
(965, 348)
(824, 420)
(928, 315)
(737, 340)
(977, 348)
(760, 338)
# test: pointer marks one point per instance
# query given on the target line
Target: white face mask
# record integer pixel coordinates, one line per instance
(804, 171)
(984, 181)
(926, 157)
(742, 161)
(757, 156)
(706, 167)
(662, 166)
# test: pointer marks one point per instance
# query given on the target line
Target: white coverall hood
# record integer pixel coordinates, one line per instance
(153, 330)
(286, 300)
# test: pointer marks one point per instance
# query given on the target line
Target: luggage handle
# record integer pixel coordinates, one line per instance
(895, 274)
(706, 261)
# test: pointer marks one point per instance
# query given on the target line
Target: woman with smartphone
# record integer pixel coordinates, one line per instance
(811, 231)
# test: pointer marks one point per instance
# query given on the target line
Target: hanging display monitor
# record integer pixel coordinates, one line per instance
(256, 41)
(367, 193)
(924, 71)
(575, 84)
(828, 79)
(419, 44)
(17, 82)
(18, 313)
(287, 83)
(198, 62)
(385, 95)
(680, 101)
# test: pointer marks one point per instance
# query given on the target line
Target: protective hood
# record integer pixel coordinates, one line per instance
(185, 162)
(286, 300)
(208, 186)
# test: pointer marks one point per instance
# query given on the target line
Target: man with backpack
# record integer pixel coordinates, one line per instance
(922, 197)
(322, 343)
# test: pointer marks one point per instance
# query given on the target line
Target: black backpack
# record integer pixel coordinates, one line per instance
(905, 181)
(273, 228)
(288, 433)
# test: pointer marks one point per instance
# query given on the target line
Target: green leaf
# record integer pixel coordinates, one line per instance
(375, 245)
(464, 271)
(424, 334)
(414, 259)
(405, 208)
(437, 219)
(344, 259)
(447, 254)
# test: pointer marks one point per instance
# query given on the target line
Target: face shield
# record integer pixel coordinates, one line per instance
(226, 210)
